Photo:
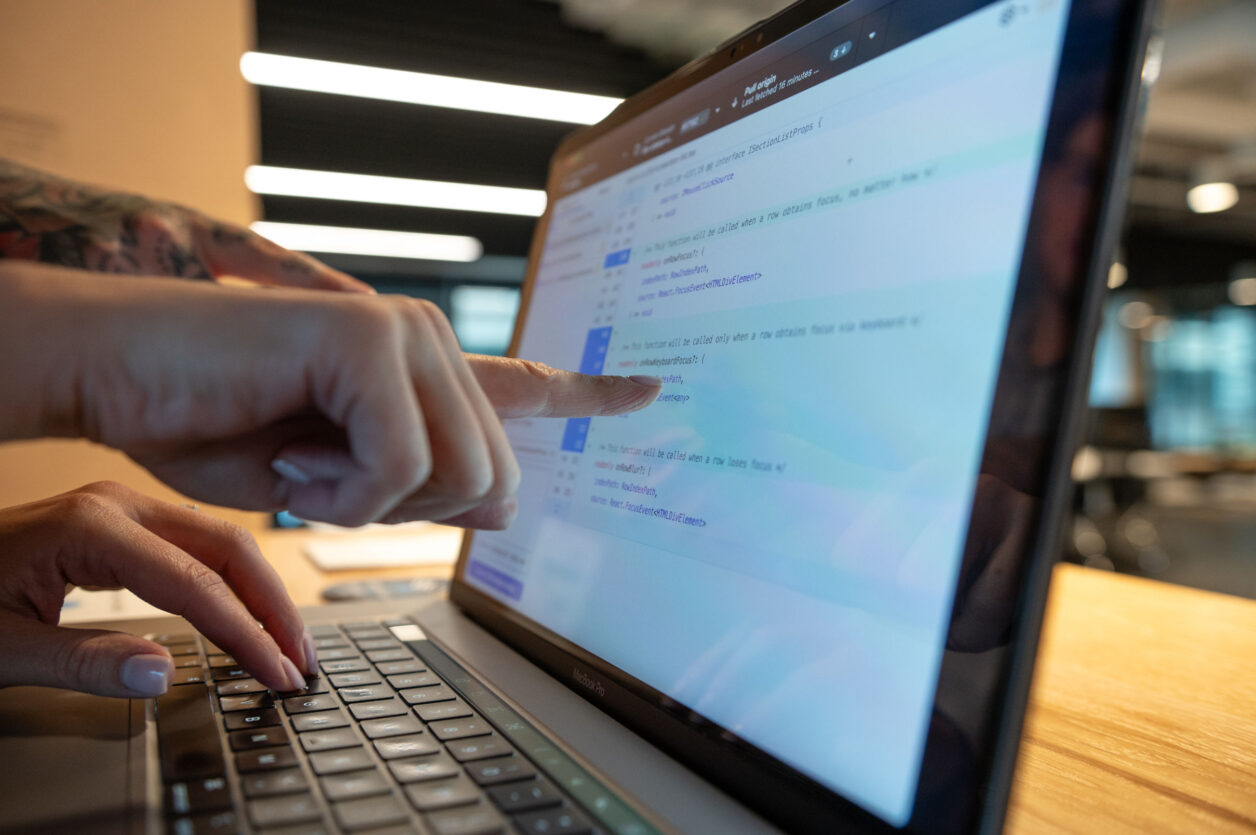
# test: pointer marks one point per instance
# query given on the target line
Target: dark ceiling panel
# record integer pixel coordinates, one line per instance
(496, 40)
(500, 234)
(343, 133)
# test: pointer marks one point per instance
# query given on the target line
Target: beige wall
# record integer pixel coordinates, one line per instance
(138, 95)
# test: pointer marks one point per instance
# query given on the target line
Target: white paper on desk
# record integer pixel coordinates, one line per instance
(433, 546)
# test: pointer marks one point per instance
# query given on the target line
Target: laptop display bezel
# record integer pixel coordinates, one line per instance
(782, 794)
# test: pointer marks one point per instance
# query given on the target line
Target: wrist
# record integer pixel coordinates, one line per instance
(40, 355)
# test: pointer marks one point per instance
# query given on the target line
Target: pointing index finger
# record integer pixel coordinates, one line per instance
(521, 389)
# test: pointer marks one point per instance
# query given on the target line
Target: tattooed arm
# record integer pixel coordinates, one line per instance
(57, 221)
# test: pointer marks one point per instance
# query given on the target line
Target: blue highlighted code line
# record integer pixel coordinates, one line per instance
(498, 581)
(616, 259)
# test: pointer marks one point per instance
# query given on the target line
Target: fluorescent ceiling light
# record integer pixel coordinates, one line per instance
(370, 241)
(1212, 197)
(422, 88)
(397, 191)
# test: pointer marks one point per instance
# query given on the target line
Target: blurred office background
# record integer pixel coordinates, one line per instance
(153, 97)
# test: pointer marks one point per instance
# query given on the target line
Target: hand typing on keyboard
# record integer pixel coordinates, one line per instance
(186, 562)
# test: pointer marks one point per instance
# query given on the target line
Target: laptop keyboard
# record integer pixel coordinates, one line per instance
(393, 736)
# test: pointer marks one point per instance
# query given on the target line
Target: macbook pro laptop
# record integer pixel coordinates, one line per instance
(863, 245)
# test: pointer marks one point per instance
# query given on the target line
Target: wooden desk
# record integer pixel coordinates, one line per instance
(1143, 712)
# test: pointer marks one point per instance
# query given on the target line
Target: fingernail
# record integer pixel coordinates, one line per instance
(311, 655)
(290, 471)
(147, 674)
(643, 380)
(296, 681)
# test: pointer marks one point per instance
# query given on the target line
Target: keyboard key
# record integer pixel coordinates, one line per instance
(196, 796)
(391, 726)
(259, 738)
(321, 721)
(187, 735)
(435, 767)
(351, 786)
(250, 701)
(460, 728)
(369, 693)
(239, 686)
(420, 679)
(338, 653)
(222, 661)
(379, 643)
(554, 822)
(480, 819)
(410, 745)
(442, 794)
(354, 679)
(227, 673)
(387, 655)
(337, 762)
(513, 798)
(374, 633)
(355, 815)
(188, 675)
(378, 710)
(309, 704)
(313, 685)
(423, 695)
(212, 823)
(329, 740)
(348, 665)
(185, 661)
(189, 648)
(265, 759)
(410, 665)
(168, 639)
(331, 642)
(443, 710)
(252, 719)
(359, 625)
(275, 811)
(500, 770)
(268, 784)
(479, 748)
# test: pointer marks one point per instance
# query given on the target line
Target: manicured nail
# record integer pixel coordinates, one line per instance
(290, 471)
(147, 674)
(296, 681)
(311, 654)
(643, 380)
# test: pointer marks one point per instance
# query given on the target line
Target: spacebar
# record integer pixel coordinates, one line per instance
(187, 735)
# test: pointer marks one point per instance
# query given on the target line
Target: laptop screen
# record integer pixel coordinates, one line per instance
(817, 250)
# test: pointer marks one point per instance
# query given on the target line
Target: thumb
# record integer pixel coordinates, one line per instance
(91, 660)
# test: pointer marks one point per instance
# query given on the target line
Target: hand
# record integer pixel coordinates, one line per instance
(185, 562)
(340, 407)
(45, 218)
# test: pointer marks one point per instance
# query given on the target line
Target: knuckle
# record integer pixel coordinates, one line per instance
(472, 483)
(73, 663)
(84, 506)
(203, 583)
(237, 537)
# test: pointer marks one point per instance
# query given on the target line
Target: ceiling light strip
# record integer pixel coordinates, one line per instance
(396, 191)
(381, 242)
(267, 70)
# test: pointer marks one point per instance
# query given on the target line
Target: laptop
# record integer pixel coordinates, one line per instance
(863, 245)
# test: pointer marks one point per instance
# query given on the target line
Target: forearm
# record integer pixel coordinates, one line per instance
(57, 221)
